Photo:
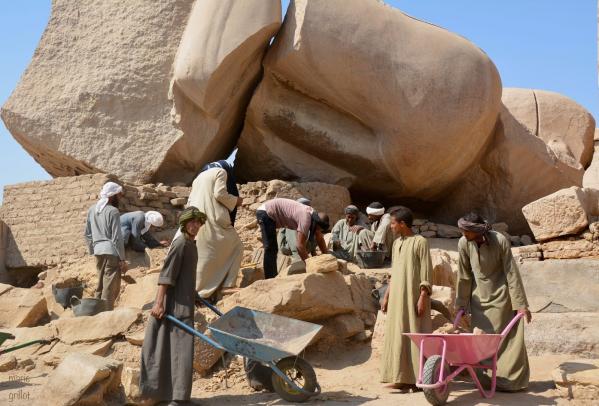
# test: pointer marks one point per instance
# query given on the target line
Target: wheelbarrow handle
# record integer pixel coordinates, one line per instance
(194, 332)
(511, 324)
(208, 304)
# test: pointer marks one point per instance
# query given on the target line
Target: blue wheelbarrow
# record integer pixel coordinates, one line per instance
(271, 340)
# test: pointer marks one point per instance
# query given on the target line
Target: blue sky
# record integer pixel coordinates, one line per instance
(542, 44)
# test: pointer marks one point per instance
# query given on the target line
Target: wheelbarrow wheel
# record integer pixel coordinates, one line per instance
(301, 373)
(430, 375)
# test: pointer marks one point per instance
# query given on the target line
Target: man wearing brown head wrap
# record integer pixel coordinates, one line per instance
(490, 286)
(167, 352)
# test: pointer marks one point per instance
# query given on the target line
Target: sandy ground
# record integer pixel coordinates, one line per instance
(348, 376)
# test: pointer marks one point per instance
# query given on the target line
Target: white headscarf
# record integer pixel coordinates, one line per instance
(375, 212)
(109, 189)
(153, 218)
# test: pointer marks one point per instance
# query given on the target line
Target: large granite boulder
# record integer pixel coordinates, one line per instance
(591, 175)
(96, 95)
(216, 70)
(357, 93)
(542, 143)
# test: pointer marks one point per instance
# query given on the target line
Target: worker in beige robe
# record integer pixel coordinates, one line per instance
(220, 250)
(490, 286)
(406, 302)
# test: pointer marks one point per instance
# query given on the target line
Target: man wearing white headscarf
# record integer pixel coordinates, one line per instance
(379, 235)
(135, 227)
(220, 250)
(105, 241)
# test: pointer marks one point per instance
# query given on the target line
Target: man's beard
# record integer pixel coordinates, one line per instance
(115, 201)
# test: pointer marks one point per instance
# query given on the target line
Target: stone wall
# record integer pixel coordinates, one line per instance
(46, 220)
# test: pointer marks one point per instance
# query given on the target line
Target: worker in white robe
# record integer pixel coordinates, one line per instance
(220, 250)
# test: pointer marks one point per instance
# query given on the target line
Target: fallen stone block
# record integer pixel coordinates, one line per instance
(82, 379)
(205, 355)
(22, 307)
(96, 328)
(558, 214)
(344, 325)
(141, 294)
(130, 382)
(322, 263)
(360, 289)
(8, 363)
(311, 296)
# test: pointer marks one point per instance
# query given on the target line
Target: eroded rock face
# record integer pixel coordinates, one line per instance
(216, 69)
(531, 156)
(364, 105)
(95, 95)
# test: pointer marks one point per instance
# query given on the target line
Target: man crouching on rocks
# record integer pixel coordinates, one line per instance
(167, 352)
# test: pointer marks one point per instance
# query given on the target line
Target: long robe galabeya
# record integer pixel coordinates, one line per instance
(411, 270)
(490, 286)
(167, 352)
(220, 250)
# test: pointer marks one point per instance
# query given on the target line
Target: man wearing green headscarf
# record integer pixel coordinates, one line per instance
(167, 351)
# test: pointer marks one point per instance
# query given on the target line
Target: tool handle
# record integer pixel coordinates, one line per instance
(194, 332)
(208, 305)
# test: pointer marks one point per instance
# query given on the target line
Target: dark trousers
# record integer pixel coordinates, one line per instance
(268, 227)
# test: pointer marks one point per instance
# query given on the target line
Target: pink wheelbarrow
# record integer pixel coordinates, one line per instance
(458, 351)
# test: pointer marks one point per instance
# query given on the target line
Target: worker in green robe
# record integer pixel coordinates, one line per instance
(490, 287)
(167, 353)
(406, 302)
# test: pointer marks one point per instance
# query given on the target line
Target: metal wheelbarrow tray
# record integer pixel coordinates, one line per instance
(273, 340)
(461, 352)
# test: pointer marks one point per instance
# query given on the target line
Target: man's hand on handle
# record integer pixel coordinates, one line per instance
(526, 313)
(158, 311)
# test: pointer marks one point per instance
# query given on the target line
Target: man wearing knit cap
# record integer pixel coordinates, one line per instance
(167, 353)
(136, 227)
(105, 241)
